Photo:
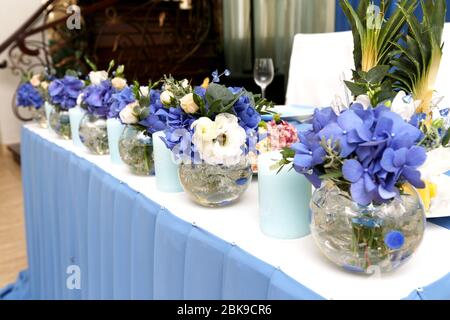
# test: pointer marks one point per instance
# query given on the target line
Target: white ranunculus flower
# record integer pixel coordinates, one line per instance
(119, 83)
(404, 105)
(185, 84)
(44, 85)
(96, 77)
(188, 104)
(80, 99)
(35, 80)
(205, 130)
(228, 144)
(364, 100)
(166, 97)
(127, 114)
(144, 91)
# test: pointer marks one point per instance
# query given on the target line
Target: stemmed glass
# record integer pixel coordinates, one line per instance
(263, 73)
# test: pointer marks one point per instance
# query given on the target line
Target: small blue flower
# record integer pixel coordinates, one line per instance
(394, 240)
(444, 112)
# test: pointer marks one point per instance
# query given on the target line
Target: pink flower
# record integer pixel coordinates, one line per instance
(281, 135)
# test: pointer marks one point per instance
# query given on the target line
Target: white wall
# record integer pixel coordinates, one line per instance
(12, 15)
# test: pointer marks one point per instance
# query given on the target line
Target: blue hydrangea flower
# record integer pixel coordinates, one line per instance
(249, 118)
(378, 149)
(119, 100)
(405, 162)
(98, 98)
(157, 118)
(28, 96)
(64, 92)
(348, 130)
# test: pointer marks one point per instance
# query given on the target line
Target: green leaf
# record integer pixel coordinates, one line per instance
(356, 88)
(216, 92)
(332, 175)
(446, 139)
(201, 104)
(377, 74)
(288, 153)
(136, 91)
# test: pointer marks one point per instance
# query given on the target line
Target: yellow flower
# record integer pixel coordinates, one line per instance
(205, 83)
(427, 194)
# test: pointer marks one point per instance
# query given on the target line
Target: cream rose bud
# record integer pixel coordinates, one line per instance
(188, 104)
(35, 80)
(185, 84)
(96, 77)
(144, 91)
(127, 114)
(44, 85)
(166, 97)
(119, 83)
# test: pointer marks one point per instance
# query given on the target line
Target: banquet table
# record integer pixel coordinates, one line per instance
(130, 241)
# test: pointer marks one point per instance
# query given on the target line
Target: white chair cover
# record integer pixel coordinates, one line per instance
(318, 62)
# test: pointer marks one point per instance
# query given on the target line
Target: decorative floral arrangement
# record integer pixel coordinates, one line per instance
(105, 95)
(368, 153)
(212, 123)
(142, 120)
(403, 77)
(32, 91)
(145, 111)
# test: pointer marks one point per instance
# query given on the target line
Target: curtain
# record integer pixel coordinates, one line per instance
(275, 24)
(343, 25)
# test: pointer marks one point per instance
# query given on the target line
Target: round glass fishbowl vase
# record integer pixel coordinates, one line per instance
(215, 185)
(136, 150)
(39, 116)
(60, 122)
(367, 239)
(93, 134)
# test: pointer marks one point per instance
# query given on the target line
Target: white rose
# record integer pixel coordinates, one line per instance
(80, 99)
(404, 105)
(144, 91)
(188, 104)
(127, 114)
(119, 83)
(44, 85)
(185, 84)
(166, 97)
(96, 77)
(35, 80)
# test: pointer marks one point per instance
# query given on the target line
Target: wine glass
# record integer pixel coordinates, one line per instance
(263, 73)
